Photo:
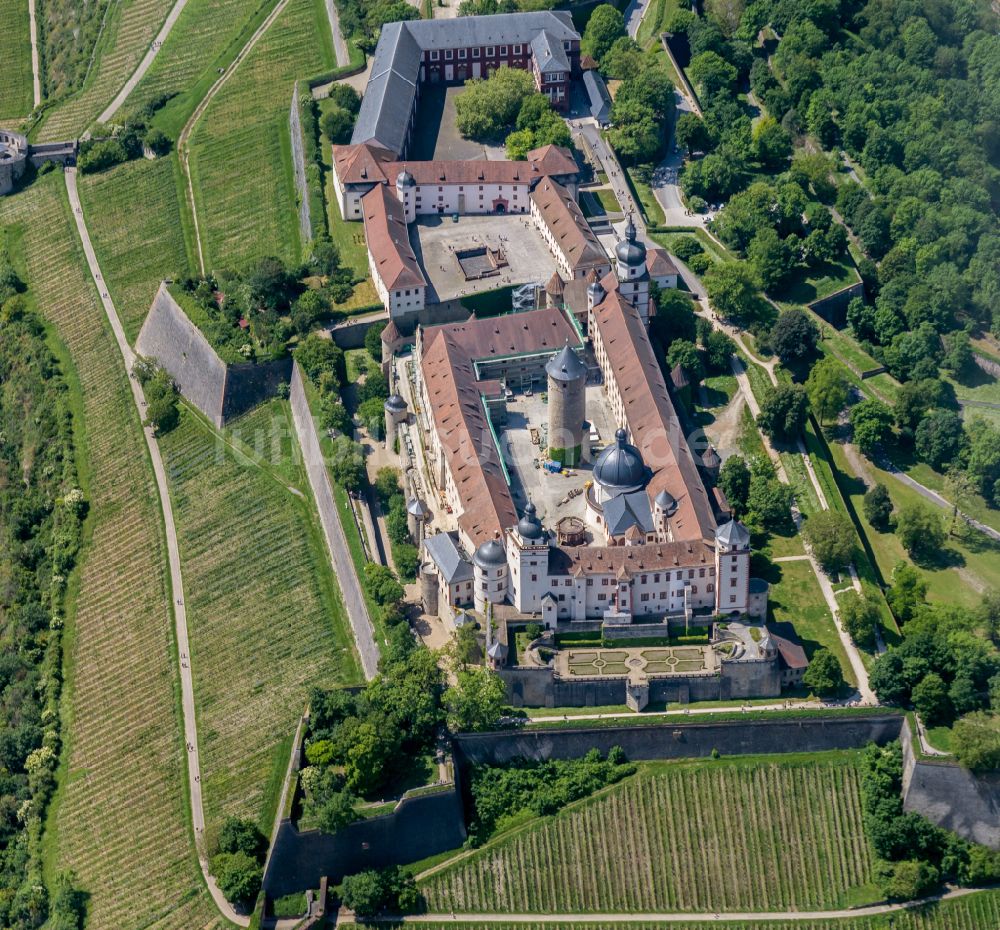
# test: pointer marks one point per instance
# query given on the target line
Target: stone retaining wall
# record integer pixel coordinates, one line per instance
(833, 308)
(220, 391)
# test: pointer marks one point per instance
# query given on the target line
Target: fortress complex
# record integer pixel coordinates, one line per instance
(642, 540)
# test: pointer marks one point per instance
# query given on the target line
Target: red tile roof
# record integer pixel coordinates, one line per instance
(371, 164)
(564, 218)
(447, 359)
(652, 420)
(389, 241)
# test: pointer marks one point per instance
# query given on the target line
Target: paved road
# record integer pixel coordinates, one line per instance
(173, 553)
(36, 71)
(340, 555)
(147, 60)
(185, 134)
(613, 169)
(634, 13)
(681, 917)
(339, 45)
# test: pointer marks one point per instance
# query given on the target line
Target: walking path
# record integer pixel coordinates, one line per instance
(340, 51)
(185, 134)
(36, 71)
(634, 14)
(144, 65)
(299, 168)
(173, 553)
(682, 917)
(333, 531)
(853, 655)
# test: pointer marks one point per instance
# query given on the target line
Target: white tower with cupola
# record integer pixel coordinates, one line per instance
(633, 276)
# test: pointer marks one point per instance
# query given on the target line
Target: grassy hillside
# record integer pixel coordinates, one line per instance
(205, 37)
(240, 157)
(974, 912)
(734, 834)
(69, 33)
(127, 35)
(16, 98)
(121, 821)
(263, 608)
(136, 248)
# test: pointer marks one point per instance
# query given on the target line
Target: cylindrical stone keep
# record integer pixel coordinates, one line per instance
(429, 589)
(567, 379)
(395, 413)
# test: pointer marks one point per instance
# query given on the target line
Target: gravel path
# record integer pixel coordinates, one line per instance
(340, 555)
(144, 65)
(299, 168)
(339, 45)
(173, 553)
(36, 71)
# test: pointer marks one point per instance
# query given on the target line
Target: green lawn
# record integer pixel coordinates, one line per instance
(257, 578)
(815, 283)
(240, 156)
(348, 236)
(137, 248)
(659, 841)
(796, 597)
(16, 97)
(966, 566)
(650, 205)
(608, 200)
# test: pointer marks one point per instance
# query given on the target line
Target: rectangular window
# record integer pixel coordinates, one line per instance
(534, 577)
(590, 582)
(701, 573)
(604, 581)
(490, 51)
(562, 597)
(732, 598)
(503, 49)
(644, 597)
(643, 579)
(435, 55)
(448, 54)
(517, 49)
(461, 54)
(475, 53)
(604, 597)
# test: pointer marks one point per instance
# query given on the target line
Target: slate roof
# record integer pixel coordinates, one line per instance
(597, 91)
(733, 533)
(549, 53)
(443, 551)
(625, 511)
(391, 93)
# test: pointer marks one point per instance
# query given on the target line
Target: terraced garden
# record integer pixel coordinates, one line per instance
(972, 912)
(127, 36)
(136, 248)
(240, 155)
(16, 99)
(761, 833)
(207, 34)
(264, 613)
(125, 751)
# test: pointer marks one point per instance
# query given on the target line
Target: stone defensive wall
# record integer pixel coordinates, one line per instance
(833, 308)
(13, 159)
(951, 796)
(220, 391)
(681, 740)
(541, 687)
(424, 823)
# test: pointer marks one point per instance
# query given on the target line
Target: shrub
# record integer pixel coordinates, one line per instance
(379, 891)
(238, 876)
(242, 836)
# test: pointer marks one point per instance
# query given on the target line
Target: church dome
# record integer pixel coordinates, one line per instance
(529, 526)
(629, 250)
(405, 179)
(620, 467)
(490, 555)
(395, 403)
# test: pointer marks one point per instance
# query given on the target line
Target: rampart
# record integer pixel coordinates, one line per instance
(951, 796)
(681, 740)
(421, 825)
(541, 687)
(218, 390)
(833, 307)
